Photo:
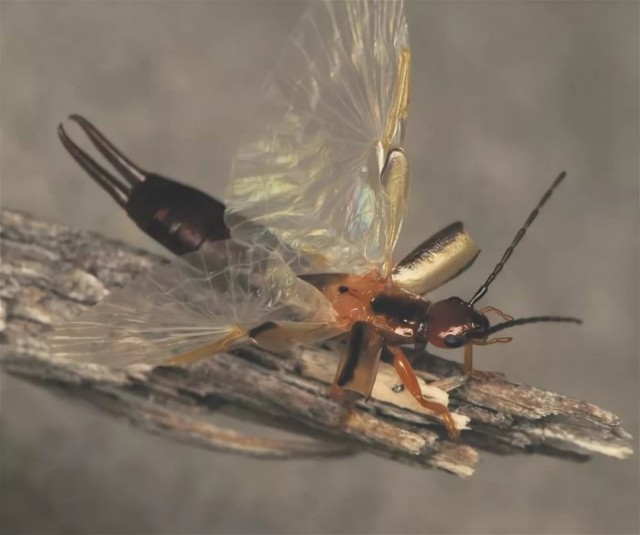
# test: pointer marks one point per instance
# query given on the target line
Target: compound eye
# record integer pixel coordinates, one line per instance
(451, 340)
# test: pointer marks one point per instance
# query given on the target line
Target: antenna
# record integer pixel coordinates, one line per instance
(519, 235)
(533, 319)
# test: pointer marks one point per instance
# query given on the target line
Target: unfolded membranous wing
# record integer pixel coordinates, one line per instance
(325, 181)
(197, 305)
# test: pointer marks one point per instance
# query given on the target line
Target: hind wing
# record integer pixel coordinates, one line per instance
(197, 305)
(325, 181)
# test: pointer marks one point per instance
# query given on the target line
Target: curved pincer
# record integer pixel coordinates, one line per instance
(177, 216)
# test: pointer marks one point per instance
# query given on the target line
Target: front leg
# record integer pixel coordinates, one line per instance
(467, 367)
(505, 317)
(410, 381)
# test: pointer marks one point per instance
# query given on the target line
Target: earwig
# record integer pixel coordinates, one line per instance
(302, 250)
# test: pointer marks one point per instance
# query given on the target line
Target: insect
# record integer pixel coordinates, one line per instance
(302, 251)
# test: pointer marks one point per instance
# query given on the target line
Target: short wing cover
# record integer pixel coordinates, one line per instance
(203, 300)
(436, 261)
(311, 184)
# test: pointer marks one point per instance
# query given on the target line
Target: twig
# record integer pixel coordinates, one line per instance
(50, 273)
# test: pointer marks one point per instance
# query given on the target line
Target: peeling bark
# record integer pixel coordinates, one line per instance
(50, 273)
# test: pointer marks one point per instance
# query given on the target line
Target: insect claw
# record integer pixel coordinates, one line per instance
(175, 215)
(130, 171)
(119, 188)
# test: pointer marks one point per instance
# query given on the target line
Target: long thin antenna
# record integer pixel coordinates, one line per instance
(534, 319)
(519, 235)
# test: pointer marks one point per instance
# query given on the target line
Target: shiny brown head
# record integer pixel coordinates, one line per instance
(454, 322)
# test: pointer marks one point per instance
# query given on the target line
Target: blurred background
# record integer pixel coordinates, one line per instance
(505, 95)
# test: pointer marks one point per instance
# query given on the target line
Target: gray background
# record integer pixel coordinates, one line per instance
(504, 96)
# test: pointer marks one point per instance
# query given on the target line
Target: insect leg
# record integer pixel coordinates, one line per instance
(468, 350)
(359, 364)
(410, 381)
(497, 311)
(467, 367)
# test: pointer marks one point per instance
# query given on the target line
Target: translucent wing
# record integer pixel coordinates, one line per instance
(322, 184)
(197, 305)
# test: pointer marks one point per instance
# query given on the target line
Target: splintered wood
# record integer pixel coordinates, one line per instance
(51, 273)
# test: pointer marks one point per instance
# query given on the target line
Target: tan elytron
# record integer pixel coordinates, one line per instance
(437, 260)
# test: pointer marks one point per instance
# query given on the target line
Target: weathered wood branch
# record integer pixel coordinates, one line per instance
(50, 273)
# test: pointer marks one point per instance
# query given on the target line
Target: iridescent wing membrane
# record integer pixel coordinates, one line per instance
(322, 189)
(196, 306)
(322, 184)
